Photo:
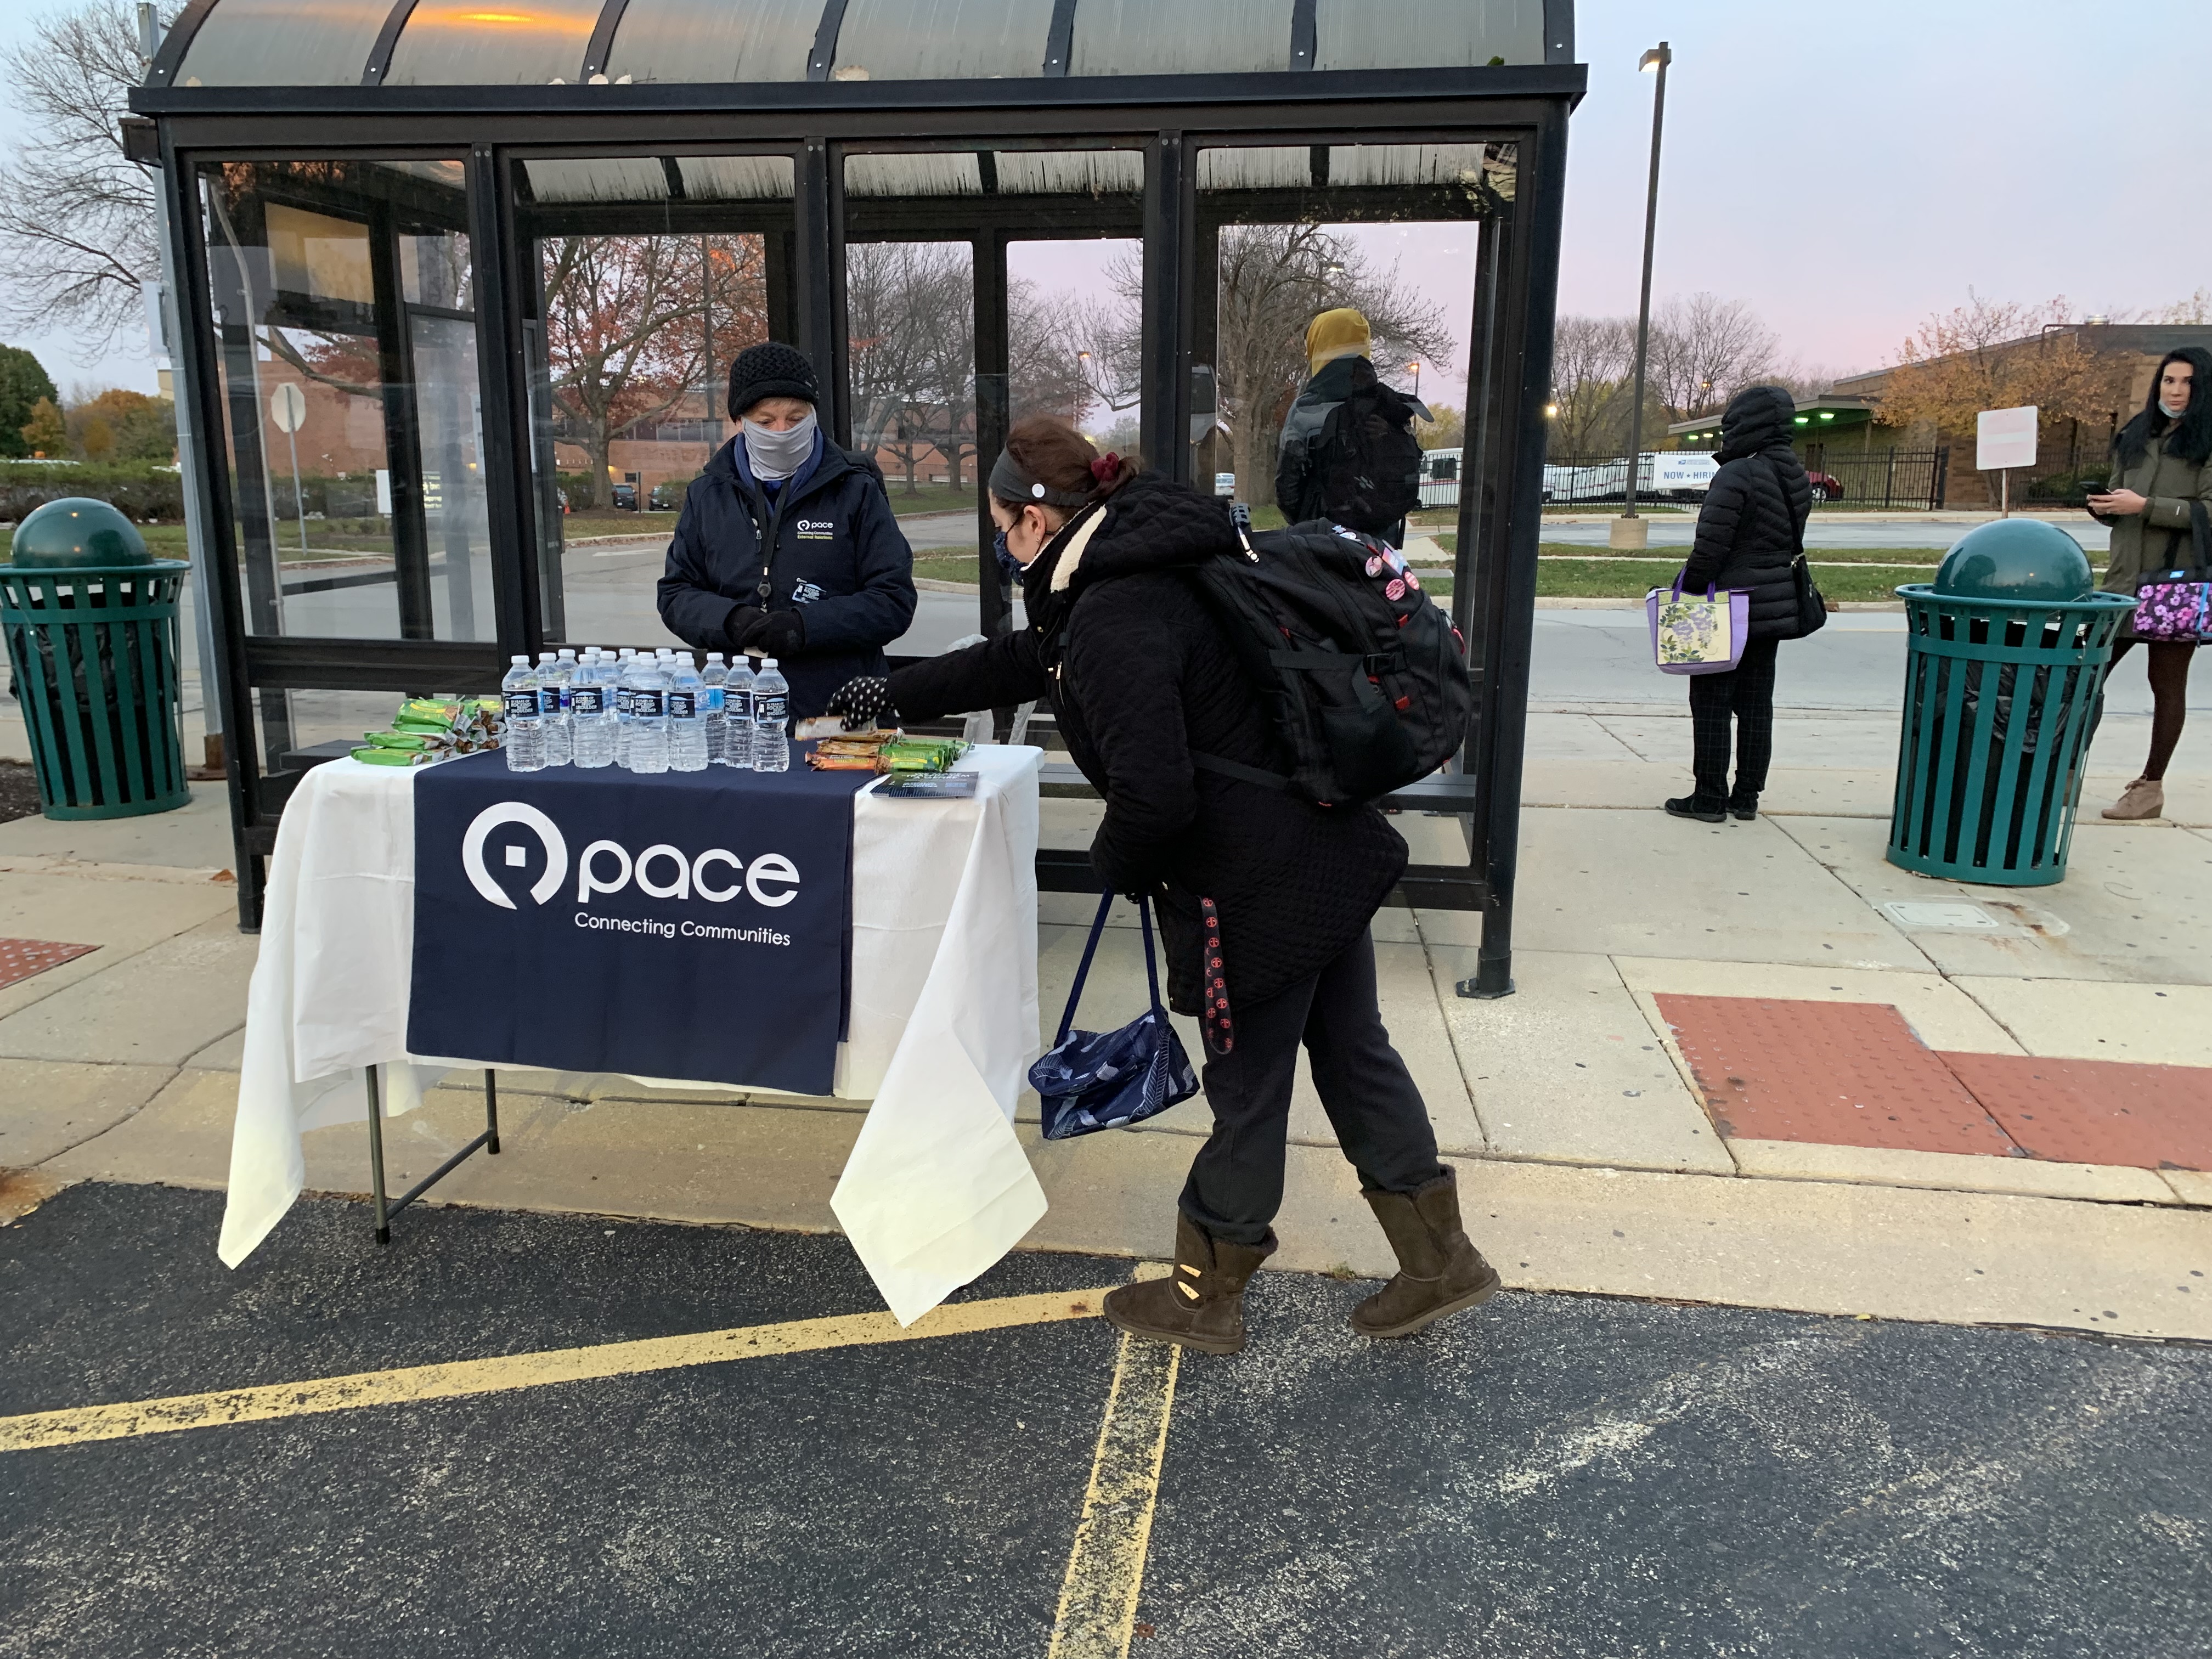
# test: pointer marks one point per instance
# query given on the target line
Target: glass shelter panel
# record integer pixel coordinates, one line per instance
(650, 274)
(278, 43)
(1389, 231)
(983, 285)
(693, 40)
(344, 315)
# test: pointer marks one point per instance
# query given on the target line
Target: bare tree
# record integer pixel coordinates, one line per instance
(1592, 369)
(625, 328)
(910, 316)
(1273, 279)
(1704, 350)
(77, 215)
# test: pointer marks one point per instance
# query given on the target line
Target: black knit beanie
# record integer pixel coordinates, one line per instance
(770, 369)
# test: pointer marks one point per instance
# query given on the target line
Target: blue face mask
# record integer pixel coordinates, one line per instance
(1009, 566)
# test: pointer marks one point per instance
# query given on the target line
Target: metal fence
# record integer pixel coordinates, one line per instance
(1908, 478)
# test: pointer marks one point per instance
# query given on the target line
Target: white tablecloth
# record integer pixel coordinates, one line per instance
(942, 1026)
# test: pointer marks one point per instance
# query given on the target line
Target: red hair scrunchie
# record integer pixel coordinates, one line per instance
(1104, 468)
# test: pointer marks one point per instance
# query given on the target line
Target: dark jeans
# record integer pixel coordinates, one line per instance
(1235, 1184)
(1746, 693)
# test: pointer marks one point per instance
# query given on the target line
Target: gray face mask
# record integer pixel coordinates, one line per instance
(2170, 411)
(775, 455)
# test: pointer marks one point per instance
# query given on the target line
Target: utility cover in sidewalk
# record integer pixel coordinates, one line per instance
(1841, 1074)
(1910, 913)
(20, 959)
(2097, 1111)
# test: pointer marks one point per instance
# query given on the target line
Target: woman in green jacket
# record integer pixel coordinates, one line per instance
(2161, 462)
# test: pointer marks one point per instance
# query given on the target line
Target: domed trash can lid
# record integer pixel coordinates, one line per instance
(78, 533)
(2023, 560)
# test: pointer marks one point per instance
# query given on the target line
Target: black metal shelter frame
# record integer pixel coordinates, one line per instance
(1170, 119)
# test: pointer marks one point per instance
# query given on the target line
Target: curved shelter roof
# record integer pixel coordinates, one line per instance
(478, 43)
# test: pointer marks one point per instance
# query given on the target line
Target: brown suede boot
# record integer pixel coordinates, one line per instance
(1439, 1272)
(1201, 1304)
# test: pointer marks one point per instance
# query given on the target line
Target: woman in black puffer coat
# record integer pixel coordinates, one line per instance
(1748, 534)
(1139, 676)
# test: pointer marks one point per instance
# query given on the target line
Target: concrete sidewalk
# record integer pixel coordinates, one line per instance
(1589, 1159)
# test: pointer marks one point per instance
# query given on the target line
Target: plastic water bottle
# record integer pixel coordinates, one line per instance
(686, 717)
(648, 717)
(590, 712)
(553, 707)
(714, 687)
(526, 731)
(625, 686)
(738, 716)
(771, 720)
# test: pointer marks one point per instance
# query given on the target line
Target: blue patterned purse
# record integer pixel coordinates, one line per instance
(1092, 1080)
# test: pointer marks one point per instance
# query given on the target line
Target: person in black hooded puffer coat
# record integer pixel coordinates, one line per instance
(1748, 537)
(1140, 676)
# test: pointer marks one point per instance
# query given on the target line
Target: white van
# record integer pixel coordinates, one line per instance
(1678, 475)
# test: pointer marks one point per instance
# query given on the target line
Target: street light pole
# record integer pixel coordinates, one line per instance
(1656, 60)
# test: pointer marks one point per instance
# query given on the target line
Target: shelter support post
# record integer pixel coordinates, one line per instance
(1530, 269)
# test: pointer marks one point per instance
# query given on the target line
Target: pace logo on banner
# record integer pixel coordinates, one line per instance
(690, 925)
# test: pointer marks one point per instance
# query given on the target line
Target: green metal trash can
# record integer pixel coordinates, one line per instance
(91, 621)
(2006, 654)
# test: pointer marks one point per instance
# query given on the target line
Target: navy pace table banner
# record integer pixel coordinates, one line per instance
(685, 924)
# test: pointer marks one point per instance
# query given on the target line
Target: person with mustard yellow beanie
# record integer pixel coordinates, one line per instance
(1347, 453)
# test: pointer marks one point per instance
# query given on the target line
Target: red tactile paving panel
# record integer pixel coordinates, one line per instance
(2096, 1111)
(1839, 1074)
(20, 959)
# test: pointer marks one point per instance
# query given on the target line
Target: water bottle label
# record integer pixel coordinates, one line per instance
(740, 705)
(549, 701)
(770, 708)
(683, 706)
(587, 700)
(645, 705)
(622, 700)
(568, 696)
(521, 704)
(714, 701)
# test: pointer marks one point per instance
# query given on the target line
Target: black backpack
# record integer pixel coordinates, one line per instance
(1366, 465)
(1365, 679)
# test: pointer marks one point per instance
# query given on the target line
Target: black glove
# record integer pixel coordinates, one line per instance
(778, 634)
(863, 702)
(739, 624)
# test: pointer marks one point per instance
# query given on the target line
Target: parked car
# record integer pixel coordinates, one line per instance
(1824, 487)
(625, 498)
(668, 495)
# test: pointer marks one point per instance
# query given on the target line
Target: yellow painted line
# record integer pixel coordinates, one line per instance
(461, 1378)
(1106, 1569)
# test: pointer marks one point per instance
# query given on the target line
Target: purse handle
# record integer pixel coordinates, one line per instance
(1090, 949)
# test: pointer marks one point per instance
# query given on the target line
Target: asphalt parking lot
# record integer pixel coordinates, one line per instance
(537, 1452)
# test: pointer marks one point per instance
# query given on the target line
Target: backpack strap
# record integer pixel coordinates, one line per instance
(1242, 773)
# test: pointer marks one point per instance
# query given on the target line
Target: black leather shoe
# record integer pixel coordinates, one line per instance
(1744, 810)
(1689, 806)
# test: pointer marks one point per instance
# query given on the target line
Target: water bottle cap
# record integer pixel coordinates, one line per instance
(567, 656)
(713, 656)
(766, 662)
(524, 661)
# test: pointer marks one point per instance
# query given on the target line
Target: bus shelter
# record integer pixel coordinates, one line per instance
(502, 254)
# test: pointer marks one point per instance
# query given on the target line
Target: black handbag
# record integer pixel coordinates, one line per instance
(1812, 606)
